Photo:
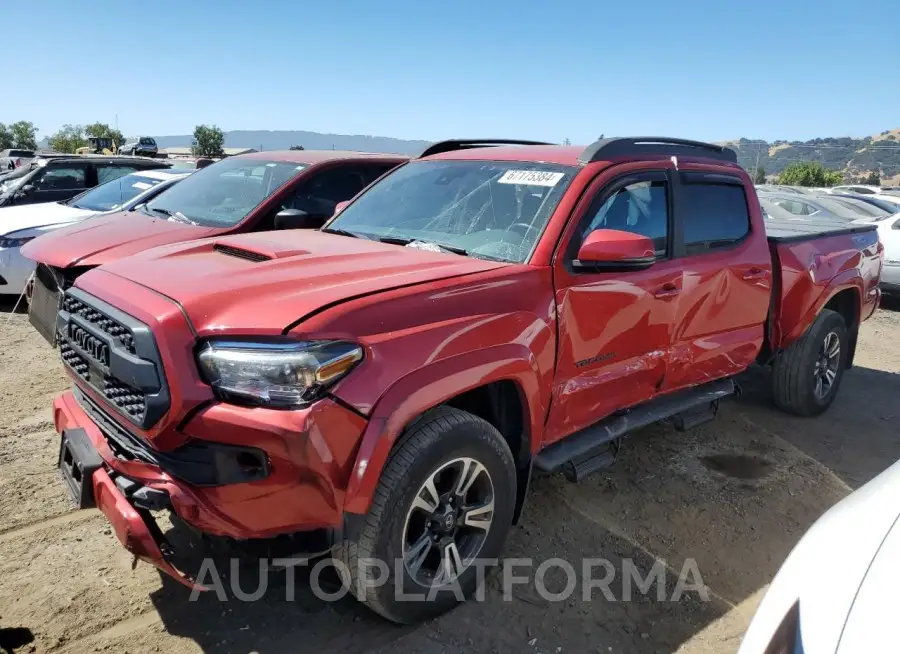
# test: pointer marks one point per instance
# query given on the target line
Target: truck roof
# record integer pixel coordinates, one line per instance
(604, 149)
(320, 156)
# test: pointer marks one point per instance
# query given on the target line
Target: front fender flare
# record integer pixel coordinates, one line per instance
(431, 386)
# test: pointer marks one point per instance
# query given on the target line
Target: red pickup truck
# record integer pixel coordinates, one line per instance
(383, 388)
(246, 193)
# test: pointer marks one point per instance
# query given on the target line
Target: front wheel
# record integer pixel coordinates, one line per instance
(442, 510)
(807, 375)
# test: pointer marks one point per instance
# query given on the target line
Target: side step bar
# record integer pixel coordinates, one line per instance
(584, 442)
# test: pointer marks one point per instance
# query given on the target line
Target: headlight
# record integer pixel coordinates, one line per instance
(6, 242)
(279, 375)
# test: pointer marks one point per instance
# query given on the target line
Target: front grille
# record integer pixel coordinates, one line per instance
(115, 355)
(75, 361)
(109, 326)
(125, 397)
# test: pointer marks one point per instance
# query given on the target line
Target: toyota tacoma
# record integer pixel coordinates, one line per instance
(382, 388)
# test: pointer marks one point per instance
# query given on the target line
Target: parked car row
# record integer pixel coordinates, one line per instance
(371, 354)
(21, 224)
(62, 177)
(843, 204)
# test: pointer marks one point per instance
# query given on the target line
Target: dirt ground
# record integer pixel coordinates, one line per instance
(734, 495)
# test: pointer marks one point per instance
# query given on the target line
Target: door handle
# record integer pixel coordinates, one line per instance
(755, 273)
(667, 290)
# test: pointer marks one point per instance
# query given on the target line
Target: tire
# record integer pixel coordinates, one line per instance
(795, 372)
(432, 445)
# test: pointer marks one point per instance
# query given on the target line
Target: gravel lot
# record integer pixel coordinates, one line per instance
(734, 495)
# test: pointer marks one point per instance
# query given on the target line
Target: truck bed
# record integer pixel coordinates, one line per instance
(787, 231)
(813, 261)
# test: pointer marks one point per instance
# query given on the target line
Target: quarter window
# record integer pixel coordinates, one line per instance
(640, 208)
(713, 216)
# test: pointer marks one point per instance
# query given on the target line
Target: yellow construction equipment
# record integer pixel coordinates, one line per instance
(99, 145)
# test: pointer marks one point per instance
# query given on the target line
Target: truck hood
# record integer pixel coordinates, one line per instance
(108, 238)
(28, 216)
(263, 283)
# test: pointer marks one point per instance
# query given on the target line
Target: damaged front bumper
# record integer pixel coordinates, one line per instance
(91, 484)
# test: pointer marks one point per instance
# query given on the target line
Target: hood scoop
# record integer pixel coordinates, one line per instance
(241, 253)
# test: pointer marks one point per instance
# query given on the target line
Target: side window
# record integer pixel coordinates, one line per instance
(373, 171)
(109, 173)
(322, 192)
(62, 178)
(713, 215)
(640, 208)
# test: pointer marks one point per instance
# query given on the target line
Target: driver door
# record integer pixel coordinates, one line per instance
(615, 328)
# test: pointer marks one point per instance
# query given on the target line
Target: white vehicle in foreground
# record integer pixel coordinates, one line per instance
(20, 224)
(836, 592)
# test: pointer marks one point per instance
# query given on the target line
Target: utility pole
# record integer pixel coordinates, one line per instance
(756, 168)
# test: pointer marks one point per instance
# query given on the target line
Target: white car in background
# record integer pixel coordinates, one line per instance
(889, 234)
(836, 592)
(20, 224)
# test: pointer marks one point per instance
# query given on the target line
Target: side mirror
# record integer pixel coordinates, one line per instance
(28, 189)
(339, 207)
(607, 250)
(297, 219)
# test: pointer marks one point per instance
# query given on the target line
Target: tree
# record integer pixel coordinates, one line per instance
(873, 179)
(24, 135)
(208, 141)
(809, 173)
(296, 147)
(102, 130)
(68, 139)
(567, 142)
(6, 138)
(760, 176)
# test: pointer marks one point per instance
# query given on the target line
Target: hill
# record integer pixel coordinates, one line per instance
(282, 140)
(855, 157)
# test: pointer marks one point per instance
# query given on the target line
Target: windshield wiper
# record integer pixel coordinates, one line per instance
(399, 240)
(175, 216)
(341, 232)
(180, 217)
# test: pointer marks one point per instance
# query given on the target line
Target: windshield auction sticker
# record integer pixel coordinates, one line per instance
(530, 177)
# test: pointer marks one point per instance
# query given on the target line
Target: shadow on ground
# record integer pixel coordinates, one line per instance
(856, 439)
(8, 303)
(734, 496)
(650, 622)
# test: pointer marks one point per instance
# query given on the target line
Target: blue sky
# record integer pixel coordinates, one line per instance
(791, 69)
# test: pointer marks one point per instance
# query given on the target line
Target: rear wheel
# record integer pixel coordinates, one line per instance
(807, 375)
(444, 502)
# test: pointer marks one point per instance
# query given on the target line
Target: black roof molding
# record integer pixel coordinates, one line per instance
(606, 149)
(452, 145)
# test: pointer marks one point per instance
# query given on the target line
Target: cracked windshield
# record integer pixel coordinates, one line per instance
(489, 210)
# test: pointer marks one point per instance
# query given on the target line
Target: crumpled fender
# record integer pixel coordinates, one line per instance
(430, 386)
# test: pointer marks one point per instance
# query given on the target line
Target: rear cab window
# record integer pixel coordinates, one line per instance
(713, 216)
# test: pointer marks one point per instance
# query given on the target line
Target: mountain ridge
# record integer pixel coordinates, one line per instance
(855, 157)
